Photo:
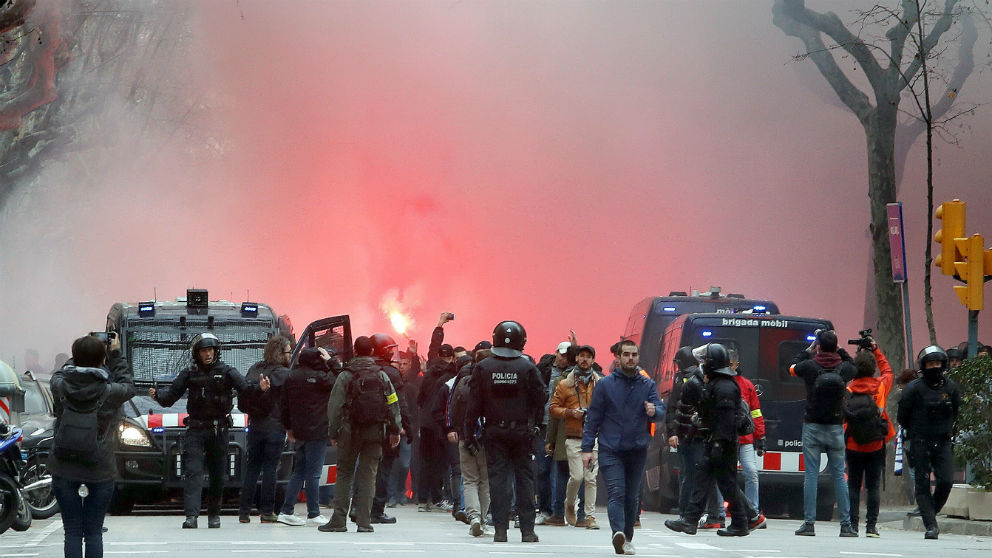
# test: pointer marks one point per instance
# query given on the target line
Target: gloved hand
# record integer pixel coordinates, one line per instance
(759, 447)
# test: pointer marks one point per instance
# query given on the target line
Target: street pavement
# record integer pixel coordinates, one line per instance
(437, 535)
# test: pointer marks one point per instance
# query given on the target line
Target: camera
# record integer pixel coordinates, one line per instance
(106, 336)
(451, 316)
(863, 342)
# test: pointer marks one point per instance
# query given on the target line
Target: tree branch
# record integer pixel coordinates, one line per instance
(939, 28)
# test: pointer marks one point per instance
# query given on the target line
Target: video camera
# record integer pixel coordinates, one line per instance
(106, 336)
(864, 342)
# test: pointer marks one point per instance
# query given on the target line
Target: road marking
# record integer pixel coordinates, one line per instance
(253, 543)
(698, 546)
(131, 552)
(870, 554)
(265, 550)
(389, 550)
(12, 555)
(41, 536)
(136, 543)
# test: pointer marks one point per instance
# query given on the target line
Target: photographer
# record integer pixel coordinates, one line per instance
(867, 429)
(569, 402)
(826, 369)
(84, 391)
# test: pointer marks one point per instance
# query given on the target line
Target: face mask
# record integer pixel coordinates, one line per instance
(933, 375)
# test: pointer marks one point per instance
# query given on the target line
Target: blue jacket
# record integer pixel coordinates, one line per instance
(616, 413)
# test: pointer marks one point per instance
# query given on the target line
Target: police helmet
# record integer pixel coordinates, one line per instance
(955, 353)
(509, 338)
(382, 345)
(929, 354)
(204, 341)
(714, 359)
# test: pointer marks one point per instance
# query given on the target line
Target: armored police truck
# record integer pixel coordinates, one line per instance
(155, 338)
(766, 345)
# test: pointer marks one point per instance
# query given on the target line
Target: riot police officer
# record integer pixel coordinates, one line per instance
(927, 411)
(211, 384)
(718, 410)
(383, 349)
(507, 393)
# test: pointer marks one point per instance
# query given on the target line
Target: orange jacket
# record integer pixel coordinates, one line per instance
(879, 387)
(572, 394)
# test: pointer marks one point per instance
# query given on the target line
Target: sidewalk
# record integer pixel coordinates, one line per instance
(898, 518)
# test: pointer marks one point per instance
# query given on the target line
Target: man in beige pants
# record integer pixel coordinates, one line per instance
(471, 453)
(569, 402)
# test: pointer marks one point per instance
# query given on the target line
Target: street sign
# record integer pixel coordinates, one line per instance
(897, 241)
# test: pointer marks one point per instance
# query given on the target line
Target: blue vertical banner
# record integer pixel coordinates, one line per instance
(897, 241)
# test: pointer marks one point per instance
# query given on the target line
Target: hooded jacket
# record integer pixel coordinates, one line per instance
(304, 397)
(82, 387)
(572, 393)
(277, 375)
(433, 397)
(879, 389)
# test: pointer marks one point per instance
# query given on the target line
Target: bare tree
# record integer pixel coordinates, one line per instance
(890, 72)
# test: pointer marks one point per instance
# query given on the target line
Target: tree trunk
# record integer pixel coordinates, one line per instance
(880, 133)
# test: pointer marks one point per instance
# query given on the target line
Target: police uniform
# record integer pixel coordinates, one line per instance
(927, 411)
(389, 454)
(507, 393)
(211, 398)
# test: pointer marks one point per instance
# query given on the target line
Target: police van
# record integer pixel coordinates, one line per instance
(650, 317)
(766, 345)
(155, 339)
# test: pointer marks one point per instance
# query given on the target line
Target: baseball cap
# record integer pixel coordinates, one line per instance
(446, 350)
(482, 345)
(563, 347)
(587, 348)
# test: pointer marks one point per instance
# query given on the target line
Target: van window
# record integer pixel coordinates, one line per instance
(776, 349)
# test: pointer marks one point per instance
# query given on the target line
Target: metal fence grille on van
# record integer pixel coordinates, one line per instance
(157, 354)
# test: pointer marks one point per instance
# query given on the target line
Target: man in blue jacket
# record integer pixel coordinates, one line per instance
(623, 405)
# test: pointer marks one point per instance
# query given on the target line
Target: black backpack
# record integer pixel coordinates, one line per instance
(829, 391)
(865, 423)
(367, 401)
(745, 424)
(77, 432)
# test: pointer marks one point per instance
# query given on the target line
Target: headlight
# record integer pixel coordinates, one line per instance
(133, 436)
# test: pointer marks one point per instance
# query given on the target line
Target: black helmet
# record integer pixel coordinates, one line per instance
(714, 359)
(204, 341)
(382, 345)
(684, 358)
(955, 353)
(509, 338)
(931, 353)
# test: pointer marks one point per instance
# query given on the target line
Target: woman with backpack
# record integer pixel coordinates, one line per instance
(87, 397)
(867, 429)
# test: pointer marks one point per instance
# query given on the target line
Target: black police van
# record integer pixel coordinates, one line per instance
(650, 317)
(155, 339)
(766, 345)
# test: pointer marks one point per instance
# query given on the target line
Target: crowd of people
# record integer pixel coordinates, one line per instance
(493, 437)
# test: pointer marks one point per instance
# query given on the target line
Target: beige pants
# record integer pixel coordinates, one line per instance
(578, 473)
(475, 479)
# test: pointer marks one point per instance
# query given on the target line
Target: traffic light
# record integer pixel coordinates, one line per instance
(972, 271)
(952, 214)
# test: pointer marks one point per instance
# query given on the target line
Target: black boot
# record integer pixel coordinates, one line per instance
(681, 525)
(530, 537)
(190, 522)
(500, 535)
(213, 522)
(932, 532)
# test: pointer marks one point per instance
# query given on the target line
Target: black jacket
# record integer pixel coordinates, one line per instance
(930, 411)
(277, 375)
(433, 397)
(82, 388)
(402, 393)
(505, 389)
(687, 392)
(718, 409)
(819, 409)
(211, 388)
(303, 404)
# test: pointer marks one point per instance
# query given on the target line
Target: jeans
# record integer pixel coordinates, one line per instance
(306, 474)
(433, 464)
(622, 471)
(264, 451)
(829, 439)
(543, 481)
(867, 466)
(82, 518)
(749, 467)
(401, 469)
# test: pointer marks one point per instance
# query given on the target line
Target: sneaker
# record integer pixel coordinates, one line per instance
(707, 524)
(871, 531)
(529, 537)
(516, 522)
(391, 503)
(541, 518)
(459, 515)
(383, 518)
(244, 518)
(733, 531)
(444, 506)
(190, 522)
(628, 549)
(619, 539)
(580, 522)
(757, 522)
(591, 523)
(806, 530)
(213, 522)
(846, 530)
(424, 508)
(556, 520)
(475, 527)
(570, 512)
(365, 529)
(288, 519)
(681, 526)
(317, 520)
(269, 518)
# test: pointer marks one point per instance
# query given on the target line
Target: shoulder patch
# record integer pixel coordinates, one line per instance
(392, 398)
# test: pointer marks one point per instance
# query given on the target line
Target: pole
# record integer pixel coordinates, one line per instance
(909, 328)
(972, 333)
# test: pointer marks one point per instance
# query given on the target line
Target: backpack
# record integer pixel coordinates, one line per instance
(77, 433)
(745, 424)
(367, 401)
(255, 404)
(829, 391)
(865, 423)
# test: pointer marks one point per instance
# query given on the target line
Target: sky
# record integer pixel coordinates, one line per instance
(547, 162)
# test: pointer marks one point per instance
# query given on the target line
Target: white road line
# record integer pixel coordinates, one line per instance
(13, 555)
(142, 543)
(698, 546)
(260, 543)
(132, 552)
(43, 535)
(870, 554)
(265, 550)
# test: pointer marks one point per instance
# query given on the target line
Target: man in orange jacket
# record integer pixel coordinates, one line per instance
(867, 431)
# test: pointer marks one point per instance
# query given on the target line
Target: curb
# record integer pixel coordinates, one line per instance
(949, 525)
